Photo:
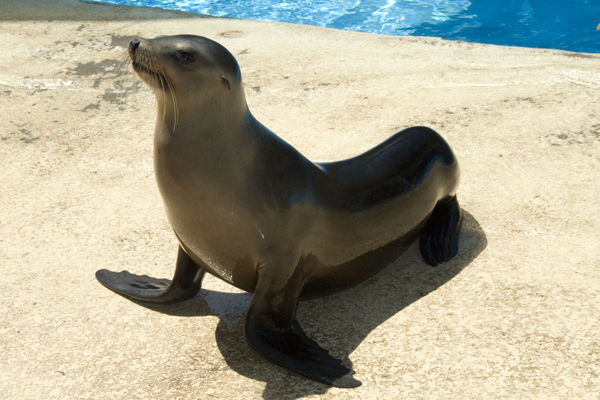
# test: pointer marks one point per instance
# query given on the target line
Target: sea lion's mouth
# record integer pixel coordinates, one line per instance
(156, 79)
(142, 69)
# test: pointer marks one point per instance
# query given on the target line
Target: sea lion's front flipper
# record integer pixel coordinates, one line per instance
(185, 284)
(272, 330)
(439, 238)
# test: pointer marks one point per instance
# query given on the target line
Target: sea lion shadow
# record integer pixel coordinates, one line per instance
(339, 322)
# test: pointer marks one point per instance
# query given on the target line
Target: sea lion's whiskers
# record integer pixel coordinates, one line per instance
(146, 63)
(175, 107)
(159, 76)
(162, 93)
(123, 67)
(159, 68)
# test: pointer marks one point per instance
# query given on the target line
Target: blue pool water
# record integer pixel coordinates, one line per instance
(556, 24)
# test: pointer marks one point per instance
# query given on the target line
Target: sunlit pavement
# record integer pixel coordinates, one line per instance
(514, 316)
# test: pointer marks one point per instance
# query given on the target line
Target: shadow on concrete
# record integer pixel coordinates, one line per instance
(80, 10)
(339, 322)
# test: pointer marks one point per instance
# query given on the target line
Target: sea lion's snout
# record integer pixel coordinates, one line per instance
(147, 65)
(133, 45)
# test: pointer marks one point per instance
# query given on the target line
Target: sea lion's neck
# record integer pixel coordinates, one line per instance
(212, 135)
(204, 120)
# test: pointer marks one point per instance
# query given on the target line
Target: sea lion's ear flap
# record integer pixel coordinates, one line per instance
(225, 82)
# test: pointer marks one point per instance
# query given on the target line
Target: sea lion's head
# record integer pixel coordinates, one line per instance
(194, 79)
(184, 64)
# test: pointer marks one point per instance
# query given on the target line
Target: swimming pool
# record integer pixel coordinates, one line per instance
(555, 24)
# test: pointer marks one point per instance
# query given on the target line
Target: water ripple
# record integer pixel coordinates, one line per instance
(566, 25)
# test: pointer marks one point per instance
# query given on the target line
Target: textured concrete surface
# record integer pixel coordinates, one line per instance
(515, 316)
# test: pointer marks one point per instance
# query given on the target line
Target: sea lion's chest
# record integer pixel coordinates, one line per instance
(214, 218)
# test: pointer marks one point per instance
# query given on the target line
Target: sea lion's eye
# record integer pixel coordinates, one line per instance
(185, 56)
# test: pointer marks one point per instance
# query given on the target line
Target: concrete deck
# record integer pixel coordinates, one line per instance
(514, 316)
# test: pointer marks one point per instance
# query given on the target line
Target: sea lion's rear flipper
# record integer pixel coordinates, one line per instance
(296, 352)
(272, 330)
(184, 286)
(439, 238)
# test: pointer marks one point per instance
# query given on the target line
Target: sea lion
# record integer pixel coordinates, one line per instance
(250, 209)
